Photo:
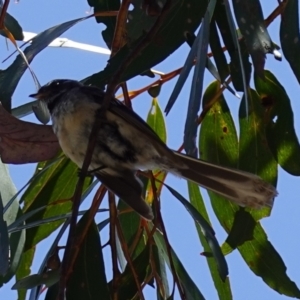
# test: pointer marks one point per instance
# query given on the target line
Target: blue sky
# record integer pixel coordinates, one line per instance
(55, 63)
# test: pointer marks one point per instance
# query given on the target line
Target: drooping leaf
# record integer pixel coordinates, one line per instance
(57, 183)
(240, 67)
(127, 288)
(255, 156)
(12, 26)
(190, 288)
(263, 259)
(280, 131)
(208, 233)
(290, 36)
(218, 143)
(222, 287)
(191, 125)
(10, 77)
(49, 278)
(218, 54)
(4, 243)
(251, 23)
(16, 240)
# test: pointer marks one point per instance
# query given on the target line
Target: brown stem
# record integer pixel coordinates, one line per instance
(118, 39)
(3, 13)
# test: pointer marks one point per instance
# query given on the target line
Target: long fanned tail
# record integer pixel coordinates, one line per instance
(243, 188)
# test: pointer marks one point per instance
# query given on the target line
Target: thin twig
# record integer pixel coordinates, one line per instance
(126, 97)
(118, 39)
(129, 260)
(3, 13)
(73, 243)
(111, 86)
(175, 276)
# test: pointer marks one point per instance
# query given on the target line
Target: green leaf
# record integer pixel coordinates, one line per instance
(57, 183)
(222, 287)
(264, 261)
(4, 242)
(156, 120)
(255, 155)
(24, 269)
(162, 289)
(88, 279)
(126, 283)
(290, 37)
(280, 131)
(218, 143)
(16, 240)
(190, 288)
(208, 233)
(48, 278)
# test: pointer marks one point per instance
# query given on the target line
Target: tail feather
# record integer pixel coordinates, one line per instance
(243, 188)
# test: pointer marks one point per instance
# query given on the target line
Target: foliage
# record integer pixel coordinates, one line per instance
(139, 39)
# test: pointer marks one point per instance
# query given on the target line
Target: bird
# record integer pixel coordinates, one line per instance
(125, 143)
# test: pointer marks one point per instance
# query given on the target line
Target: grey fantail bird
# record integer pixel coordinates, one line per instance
(125, 144)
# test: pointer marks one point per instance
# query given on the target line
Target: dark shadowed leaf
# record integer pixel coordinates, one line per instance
(88, 280)
(12, 26)
(240, 67)
(160, 268)
(191, 125)
(190, 288)
(290, 37)
(216, 48)
(126, 284)
(208, 233)
(49, 278)
(110, 22)
(222, 287)
(251, 23)
(10, 77)
(169, 37)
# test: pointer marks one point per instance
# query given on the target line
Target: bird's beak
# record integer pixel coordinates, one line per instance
(36, 96)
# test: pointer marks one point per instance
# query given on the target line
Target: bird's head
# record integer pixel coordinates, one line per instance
(52, 91)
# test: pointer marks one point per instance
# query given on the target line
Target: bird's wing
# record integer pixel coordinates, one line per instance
(119, 109)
